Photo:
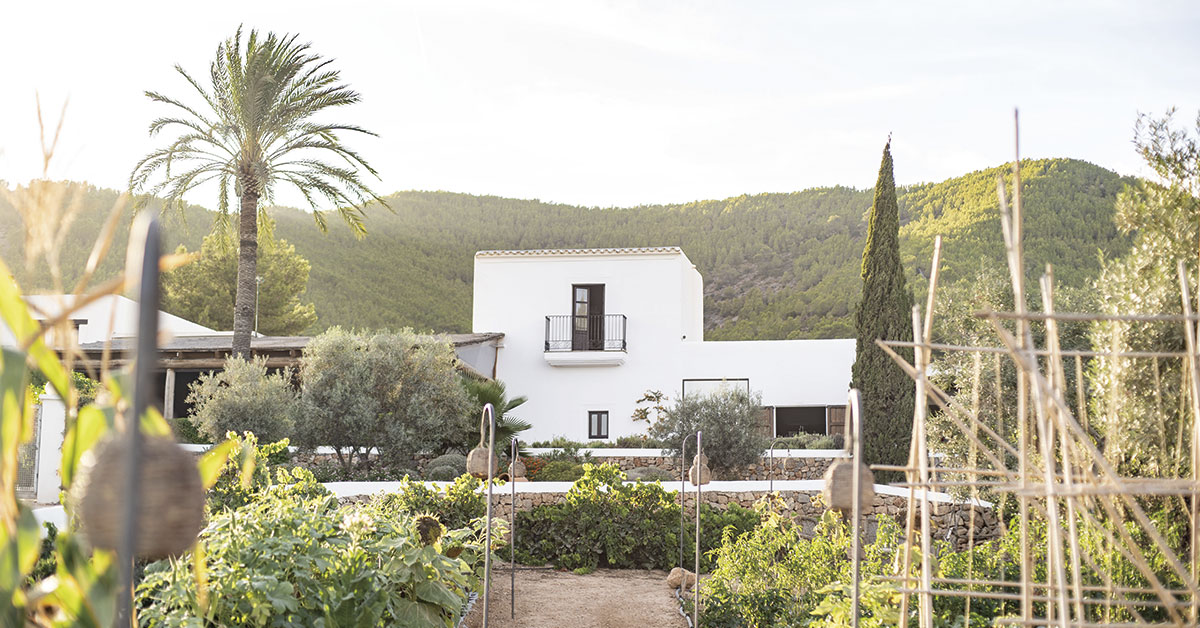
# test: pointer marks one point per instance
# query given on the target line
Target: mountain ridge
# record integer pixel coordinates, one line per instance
(775, 265)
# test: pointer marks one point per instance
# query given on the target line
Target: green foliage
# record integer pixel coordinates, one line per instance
(455, 505)
(244, 397)
(47, 562)
(884, 312)
(606, 522)
(443, 473)
(508, 427)
(203, 291)
(253, 472)
(775, 266)
(304, 561)
(452, 460)
(559, 471)
(394, 391)
(775, 574)
(730, 421)
(1139, 404)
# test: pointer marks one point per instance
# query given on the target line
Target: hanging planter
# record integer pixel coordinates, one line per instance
(699, 473)
(839, 486)
(516, 470)
(477, 460)
(171, 496)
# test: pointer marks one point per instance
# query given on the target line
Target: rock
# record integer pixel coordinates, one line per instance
(680, 576)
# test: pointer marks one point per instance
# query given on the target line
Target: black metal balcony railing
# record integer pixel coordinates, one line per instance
(601, 332)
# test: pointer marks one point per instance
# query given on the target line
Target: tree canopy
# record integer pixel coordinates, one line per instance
(203, 291)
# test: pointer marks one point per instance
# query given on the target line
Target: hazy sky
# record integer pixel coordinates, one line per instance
(625, 103)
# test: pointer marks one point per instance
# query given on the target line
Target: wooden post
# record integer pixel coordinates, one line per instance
(169, 396)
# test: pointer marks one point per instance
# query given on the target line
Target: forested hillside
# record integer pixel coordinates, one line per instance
(774, 265)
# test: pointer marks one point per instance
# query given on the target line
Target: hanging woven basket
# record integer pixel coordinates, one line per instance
(477, 459)
(839, 486)
(517, 469)
(171, 497)
(699, 473)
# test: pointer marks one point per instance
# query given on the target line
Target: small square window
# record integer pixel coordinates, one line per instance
(598, 424)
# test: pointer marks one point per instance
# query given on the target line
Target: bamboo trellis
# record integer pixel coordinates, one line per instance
(1053, 469)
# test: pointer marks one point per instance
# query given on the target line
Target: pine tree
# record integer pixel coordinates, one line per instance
(885, 311)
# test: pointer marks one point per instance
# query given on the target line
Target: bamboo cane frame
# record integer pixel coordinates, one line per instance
(1060, 471)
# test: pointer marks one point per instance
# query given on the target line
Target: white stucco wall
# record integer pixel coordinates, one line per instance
(107, 317)
(661, 294)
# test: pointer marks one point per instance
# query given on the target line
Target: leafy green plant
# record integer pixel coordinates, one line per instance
(253, 471)
(776, 557)
(455, 506)
(560, 471)
(297, 560)
(607, 522)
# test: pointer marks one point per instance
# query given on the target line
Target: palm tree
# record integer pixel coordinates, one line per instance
(494, 392)
(255, 130)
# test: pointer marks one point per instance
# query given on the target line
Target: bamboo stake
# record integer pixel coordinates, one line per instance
(919, 412)
(1194, 368)
(1067, 453)
(976, 368)
(1109, 475)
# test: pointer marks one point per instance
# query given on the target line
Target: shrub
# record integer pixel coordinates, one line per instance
(729, 420)
(443, 473)
(638, 441)
(395, 391)
(775, 575)
(560, 471)
(243, 398)
(455, 506)
(307, 562)
(606, 522)
(452, 460)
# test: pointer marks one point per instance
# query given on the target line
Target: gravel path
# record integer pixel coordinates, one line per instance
(607, 598)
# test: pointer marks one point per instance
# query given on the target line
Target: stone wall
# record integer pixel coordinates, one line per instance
(950, 521)
(785, 468)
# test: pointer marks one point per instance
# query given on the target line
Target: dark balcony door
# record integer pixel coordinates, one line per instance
(587, 323)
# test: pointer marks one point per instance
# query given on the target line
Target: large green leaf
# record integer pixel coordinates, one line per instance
(15, 313)
(213, 461)
(92, 423)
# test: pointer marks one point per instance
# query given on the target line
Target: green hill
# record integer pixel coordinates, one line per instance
(774, 265)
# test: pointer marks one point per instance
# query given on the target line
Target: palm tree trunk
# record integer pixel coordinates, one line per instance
(247, 282)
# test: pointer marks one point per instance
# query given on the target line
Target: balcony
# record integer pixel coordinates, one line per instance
(595, 340)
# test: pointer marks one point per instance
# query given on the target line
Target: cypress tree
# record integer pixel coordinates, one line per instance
(885, 311)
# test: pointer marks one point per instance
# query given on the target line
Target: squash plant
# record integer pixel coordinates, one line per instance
(297, 560)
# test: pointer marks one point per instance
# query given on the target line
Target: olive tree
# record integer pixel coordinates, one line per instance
(395, 391)
(244, 397)
(730, 422)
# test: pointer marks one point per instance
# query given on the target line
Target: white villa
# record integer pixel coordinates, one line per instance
(587, 332)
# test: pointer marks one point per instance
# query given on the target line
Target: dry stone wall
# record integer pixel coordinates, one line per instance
(951, 522)
(784, 469)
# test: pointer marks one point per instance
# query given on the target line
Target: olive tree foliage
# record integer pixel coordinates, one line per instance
(1140, 405)
(989, 387)
(730, 421)
(395, 391)
(244, 397)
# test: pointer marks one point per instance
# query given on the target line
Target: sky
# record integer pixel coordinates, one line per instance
(610, 103)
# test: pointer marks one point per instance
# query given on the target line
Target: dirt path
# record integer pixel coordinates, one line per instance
(608, 598)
